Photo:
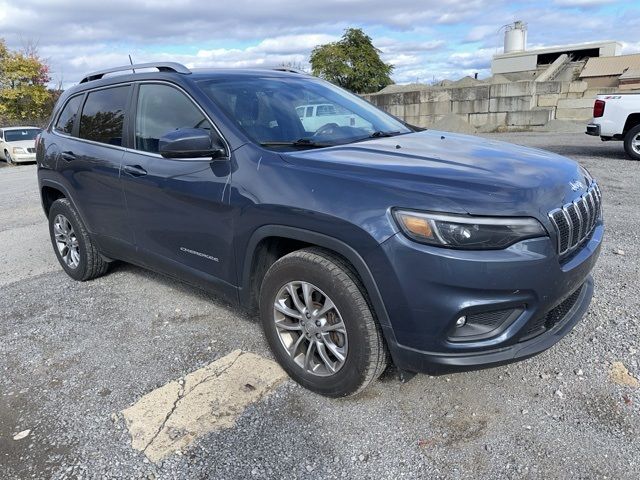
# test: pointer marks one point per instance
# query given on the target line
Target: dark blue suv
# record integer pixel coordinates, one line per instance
(361, 239)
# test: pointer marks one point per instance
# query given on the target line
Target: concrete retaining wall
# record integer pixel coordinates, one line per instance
(512, 105)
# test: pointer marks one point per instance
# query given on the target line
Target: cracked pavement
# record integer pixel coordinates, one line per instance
(75, 355)
(206, 400)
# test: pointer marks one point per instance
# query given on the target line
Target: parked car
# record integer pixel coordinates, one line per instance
(617, 117)
(315, 116)
(17, 144)
(359, 246)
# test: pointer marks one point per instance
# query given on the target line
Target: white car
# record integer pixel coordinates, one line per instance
(317, 115)
(617, 117)
(18, 144)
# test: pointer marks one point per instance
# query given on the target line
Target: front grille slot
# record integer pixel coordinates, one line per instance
(31, 150)
(554, 316)
(575, 221)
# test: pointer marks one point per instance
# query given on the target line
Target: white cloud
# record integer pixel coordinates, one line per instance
(423, 39)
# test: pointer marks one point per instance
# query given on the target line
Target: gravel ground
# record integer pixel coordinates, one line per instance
(74, 354)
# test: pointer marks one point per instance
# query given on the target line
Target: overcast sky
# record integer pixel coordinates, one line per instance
(424, 39)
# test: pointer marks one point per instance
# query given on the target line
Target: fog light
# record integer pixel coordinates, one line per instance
(461, 322)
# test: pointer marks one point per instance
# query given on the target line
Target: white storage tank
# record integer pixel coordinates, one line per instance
(515, 37)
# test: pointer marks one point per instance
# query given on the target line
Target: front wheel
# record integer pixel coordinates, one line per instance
(632, 143)
(7, 157)
(319, 324)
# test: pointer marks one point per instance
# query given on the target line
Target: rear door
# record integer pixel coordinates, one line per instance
(90, 158)
(178, 208)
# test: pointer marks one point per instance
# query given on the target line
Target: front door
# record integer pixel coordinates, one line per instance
(178, 208)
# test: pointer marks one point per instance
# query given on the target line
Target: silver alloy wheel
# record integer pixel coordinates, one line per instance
(310, 328)
(66, 241)
(635, 144)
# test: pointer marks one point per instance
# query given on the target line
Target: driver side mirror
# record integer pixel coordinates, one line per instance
(190, 143)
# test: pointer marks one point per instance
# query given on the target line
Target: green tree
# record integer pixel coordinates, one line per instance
(23, 85)
(352, 63)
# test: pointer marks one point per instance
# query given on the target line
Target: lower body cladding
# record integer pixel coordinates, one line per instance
(455, 310)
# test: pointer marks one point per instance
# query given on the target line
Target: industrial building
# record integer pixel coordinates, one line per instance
(599, 64)
(528, 88)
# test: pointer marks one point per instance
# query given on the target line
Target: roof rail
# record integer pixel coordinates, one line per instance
(161, 66)
(282, 68)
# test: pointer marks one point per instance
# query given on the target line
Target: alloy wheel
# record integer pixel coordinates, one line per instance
(66, 241)
(635, 144)
(310, 328)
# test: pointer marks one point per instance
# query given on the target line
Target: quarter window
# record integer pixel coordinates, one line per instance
(163, 109)
(102, 118)
(68, 115)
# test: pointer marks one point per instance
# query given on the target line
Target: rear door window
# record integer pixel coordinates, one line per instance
(68, 115)
(102, 118)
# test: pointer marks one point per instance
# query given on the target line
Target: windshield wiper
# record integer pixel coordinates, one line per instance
(382, 133)
(302, 142)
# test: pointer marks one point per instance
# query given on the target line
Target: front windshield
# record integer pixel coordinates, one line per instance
(285, 112)
(21, 134)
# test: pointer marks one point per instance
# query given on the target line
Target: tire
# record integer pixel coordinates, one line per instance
(349, 330)
(81, 259)
(633, 136)
(8, 158)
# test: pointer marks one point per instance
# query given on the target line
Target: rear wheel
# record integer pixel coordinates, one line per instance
(319, 324)
(77, 253)
(632, 143)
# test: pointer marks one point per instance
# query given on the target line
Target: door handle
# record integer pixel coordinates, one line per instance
(135, 170)
(68, 156)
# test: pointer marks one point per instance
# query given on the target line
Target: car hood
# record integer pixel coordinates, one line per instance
(481, 176)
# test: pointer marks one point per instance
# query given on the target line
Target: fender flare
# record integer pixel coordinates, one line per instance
(320, 240)
(47, 182)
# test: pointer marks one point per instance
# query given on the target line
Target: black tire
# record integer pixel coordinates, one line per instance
(91, 264)
(628, 143)
(7, 157)
(366, 357)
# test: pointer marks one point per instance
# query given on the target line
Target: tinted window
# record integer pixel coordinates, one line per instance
(163, 109)
(103, 115)
(68, 115)
(21, 134)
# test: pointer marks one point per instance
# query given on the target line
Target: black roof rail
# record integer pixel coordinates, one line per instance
(161, 66)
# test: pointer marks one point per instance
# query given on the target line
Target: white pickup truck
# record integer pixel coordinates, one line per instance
(617, 117)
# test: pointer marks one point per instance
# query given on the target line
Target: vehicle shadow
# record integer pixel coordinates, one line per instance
(184, 289)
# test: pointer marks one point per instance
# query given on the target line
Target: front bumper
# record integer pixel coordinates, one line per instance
(593, 129)
(429, 288)
(23, 157)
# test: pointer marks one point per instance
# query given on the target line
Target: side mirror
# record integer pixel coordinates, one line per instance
(190, 143)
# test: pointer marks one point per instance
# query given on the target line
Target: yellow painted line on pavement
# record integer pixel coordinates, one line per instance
(173, 416)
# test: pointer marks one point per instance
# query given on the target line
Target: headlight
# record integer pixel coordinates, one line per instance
(19, 150)
(466, 232)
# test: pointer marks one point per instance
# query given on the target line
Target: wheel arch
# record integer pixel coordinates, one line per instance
(257, 261)
(50, 191)
(632, 120)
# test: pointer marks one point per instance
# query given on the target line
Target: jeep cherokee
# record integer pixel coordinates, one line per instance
(361, 242)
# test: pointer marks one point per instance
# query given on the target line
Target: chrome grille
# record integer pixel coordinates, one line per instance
(575, 221)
